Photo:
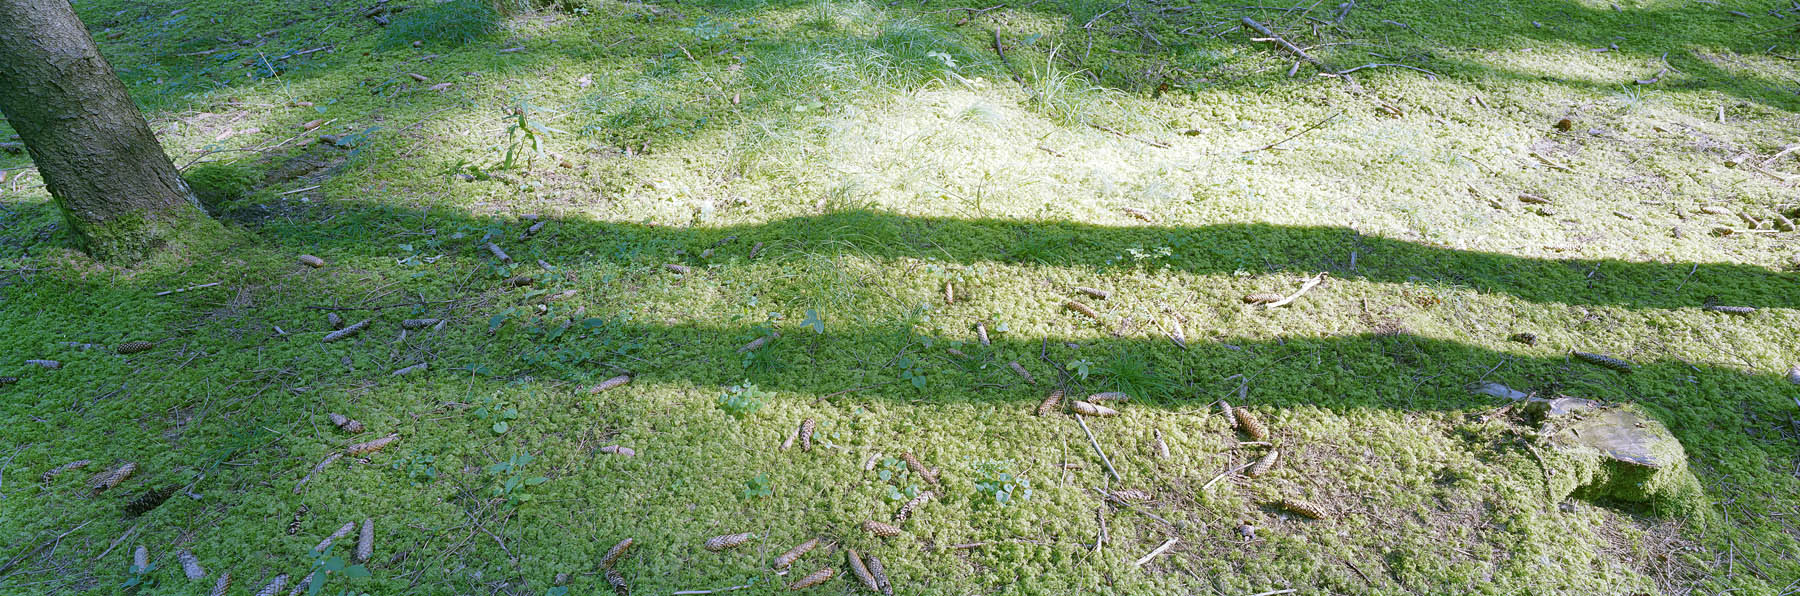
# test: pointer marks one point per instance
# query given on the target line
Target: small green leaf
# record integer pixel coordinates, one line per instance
(536, 480)
(500, 427)
(357, 571)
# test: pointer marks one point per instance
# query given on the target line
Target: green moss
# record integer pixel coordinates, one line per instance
(445, 24)
(872, 170)
(220, 182)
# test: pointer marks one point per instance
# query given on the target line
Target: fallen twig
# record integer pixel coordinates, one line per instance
(1304, 288)
(189, 288)
(1313, 127)
(1299, 53)
(1428, 74)
(1159, 550)
(1223, 474)
(1096, 444)
(1150, 142)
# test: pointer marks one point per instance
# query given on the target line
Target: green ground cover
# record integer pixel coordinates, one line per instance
(822, 169)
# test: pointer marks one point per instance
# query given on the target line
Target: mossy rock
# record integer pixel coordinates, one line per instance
(218, 183)
(1620, 454)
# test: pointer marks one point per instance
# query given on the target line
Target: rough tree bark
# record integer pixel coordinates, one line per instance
(118, 191)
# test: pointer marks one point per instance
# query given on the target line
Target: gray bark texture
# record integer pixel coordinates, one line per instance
(117, 189)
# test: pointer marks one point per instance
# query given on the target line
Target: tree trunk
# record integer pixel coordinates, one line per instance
(118, 191)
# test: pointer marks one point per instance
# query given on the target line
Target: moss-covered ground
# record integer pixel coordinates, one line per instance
(822, 169)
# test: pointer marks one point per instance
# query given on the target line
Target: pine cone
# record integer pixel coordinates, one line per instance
(133, 347)
(1050, 402)
(1162, 448)
(907, 509)
(274, 586)
(817, 577)
(949, 294)
(793, 554)
(1086, 409)
(981, 333)
(1303, 508)
(50, 364)
(1095, 292)
(347, 331)
(617, 582)
(679, 269)
(719, 543)
(519, 280)
(612, 383)
(1252, 428)
(1020, 368)
(222, 586)
(615, 553)
(1130, 495)
(1109, 396)
(333, 319)
(418, 323)
(312, 261)
(1604, 361)
(371, 446)
(806, 433)
(880, 529)
(341, 532)
(861, 571)
(344, 423)
(365, 542)
(1735, 310)
(919, 468)
(57, 471)
(190, 565)
(112, 478)
(879, 574)
(150, 499)
(1083, 309)
(1265, 464)
(140, 559)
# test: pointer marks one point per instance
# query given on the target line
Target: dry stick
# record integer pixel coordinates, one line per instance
(1159, 550)
(1096, 444)
(1304, 288)
(1297, 52)
(1223, 474)
(1428, 74)
(56, 540)
(189, 288)
(1315, 126)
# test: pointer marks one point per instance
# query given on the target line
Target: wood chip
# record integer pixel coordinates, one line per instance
(50, 364)
(675, 268)
(420, 367)
(619, 451)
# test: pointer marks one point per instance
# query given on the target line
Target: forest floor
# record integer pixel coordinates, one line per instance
(677, 180)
